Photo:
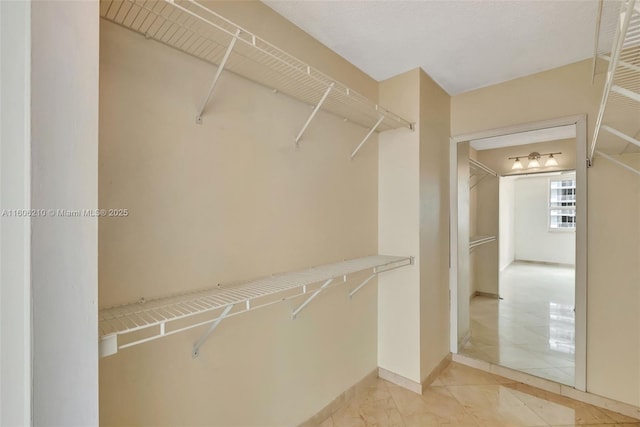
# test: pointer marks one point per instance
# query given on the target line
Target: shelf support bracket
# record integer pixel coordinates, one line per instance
(225, 58)
(108, 345)
(626, 92)
(311, 298)
(373, 129)
(478, 181)
(622, 135)
(313, 113)
(361, 285)
(205, 336)
(618, 162)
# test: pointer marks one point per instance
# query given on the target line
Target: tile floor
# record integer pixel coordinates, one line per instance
(463, 396)
(532, 328)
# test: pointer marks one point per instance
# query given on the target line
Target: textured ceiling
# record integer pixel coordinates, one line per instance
(463, 45)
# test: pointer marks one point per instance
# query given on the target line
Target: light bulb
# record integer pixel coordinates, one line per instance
(517, 164)
(551, 161)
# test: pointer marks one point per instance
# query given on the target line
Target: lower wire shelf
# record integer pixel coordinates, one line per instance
(476, 241)
(132, 324)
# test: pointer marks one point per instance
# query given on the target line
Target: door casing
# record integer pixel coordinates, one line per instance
(580, 122)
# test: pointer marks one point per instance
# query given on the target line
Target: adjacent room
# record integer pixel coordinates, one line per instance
(522, 213)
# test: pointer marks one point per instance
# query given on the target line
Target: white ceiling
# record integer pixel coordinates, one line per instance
(461, 44)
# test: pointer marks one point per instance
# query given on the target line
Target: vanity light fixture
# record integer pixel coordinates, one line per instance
(534, 160)
(517, 164)
(551, 161)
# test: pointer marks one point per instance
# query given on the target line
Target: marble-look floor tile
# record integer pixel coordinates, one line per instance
(435, 407)
(508, 417)
(553, 374)
(495, 405)
(619, 418)
(327, 423)
(372, 413)
(601, 425)
(532, 328)
(456, 374)
(559, 410)
(467, 397)
(372, 405)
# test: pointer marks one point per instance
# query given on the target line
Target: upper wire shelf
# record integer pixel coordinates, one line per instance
(617, 129)
(132, 324)
(479, 168)
(192, 28)
(479, 171)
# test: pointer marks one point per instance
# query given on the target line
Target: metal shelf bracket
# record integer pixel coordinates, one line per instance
(618, 162)
(225, 58)
(478, 181)
(311, 298)
(626, 92)
(361, 285)
(161, 317)
(373, 129)
(214, 325)
(610, 85)
(621, 135)
(313, 113)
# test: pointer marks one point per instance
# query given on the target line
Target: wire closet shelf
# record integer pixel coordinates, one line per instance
(618, 121)
(476, 241)
(478, 172)
(149, 320)
(192, 28)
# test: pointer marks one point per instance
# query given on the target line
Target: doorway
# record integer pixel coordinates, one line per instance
(518, 248)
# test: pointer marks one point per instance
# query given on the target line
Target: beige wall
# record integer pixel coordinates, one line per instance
(434, 128)
(227, 200)
(399, 231)
(613, 341)
(613, 352)
(413, 323)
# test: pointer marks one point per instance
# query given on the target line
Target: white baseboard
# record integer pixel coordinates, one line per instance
(485, 294)
(399, 380)
(554, 264)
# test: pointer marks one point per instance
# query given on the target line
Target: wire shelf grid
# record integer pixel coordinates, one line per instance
(154, 316)
(192, 28)
(617, 128)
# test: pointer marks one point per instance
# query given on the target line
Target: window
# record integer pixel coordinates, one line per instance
(562, 204)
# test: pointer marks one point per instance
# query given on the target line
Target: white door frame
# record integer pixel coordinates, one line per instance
(580, 121)
(15, 199)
